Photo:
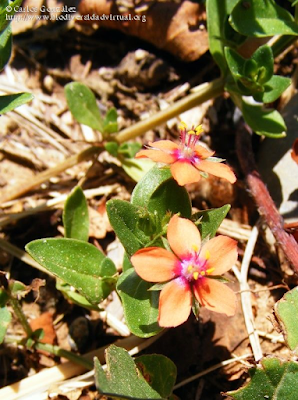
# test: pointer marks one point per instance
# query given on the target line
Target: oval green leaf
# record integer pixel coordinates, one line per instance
(122, 378)
(12, 101)
(210, 220)
(261, 18)
(160, 371)
(82, 104)
(264, 122)
(139, 303)
(77, 263)
(124, 217)
(286, 311)
(75, 215)
(273, 89)
(158, 192)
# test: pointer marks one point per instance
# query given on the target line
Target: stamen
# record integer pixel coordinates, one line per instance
(195, 275)
(189, 268)
(182, 126)
(210, 270)
(199, 130)
(207, 254)
(195, 247)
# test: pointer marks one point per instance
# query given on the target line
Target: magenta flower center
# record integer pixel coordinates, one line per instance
(195, 266)
(188, 141)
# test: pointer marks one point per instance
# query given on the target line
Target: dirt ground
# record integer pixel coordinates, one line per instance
(138, 79)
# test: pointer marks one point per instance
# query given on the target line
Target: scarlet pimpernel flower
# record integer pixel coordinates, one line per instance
(188, 160)
(190, 270)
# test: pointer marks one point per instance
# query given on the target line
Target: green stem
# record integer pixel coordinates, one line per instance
(20, 315)
(57, 351)
(282, 43)
(205, 92)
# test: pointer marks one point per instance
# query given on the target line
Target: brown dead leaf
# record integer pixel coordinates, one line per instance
(177, 28)
(45, 322)
(99, 222)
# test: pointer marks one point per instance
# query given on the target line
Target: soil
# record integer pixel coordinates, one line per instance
(138, 80)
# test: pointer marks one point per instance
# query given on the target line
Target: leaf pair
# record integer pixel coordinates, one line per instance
(72, 259)
(82, 104)
(146, 377)
(254, 76)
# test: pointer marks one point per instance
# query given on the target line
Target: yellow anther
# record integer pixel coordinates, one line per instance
(195, 275)
(182, 126)
(191, 132)
(210, 270)
(195, 247)
(207, 255)
(199, 129)
(203, 273)
(189, 268)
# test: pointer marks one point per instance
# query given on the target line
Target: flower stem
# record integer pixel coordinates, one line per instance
(57, 351)
(204, 92)
(20, 314)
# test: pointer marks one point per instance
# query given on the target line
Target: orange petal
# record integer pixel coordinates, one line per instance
(174, 303)
(164, 145)
(215, 296)
(184, 172)
(202, 152)
(156, 156)
(222, 252)
(154, 264)
(183, 236)
(217, 169)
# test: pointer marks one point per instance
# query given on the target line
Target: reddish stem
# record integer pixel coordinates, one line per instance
(262, 198)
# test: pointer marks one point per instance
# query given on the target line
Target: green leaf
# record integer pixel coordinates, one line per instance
(273, 89)
(158, 191)
(112, 148)
(129, 150)
(122, 379)
(160, 371)
(210, 220)
(77, 263)
(74, 296)
(264, 122)
(5, 46)
(7, 10)
(126, 263)
(251, 74)
(3, 297)
(75, 215)
(139, 303)
(82, 104)
(235, 62)
(263, 57)
(110, 124)
(5, 318)
(12, 101)
(261, 18)
(286, 311)
(273, 380)
(123, 217)
(219, 32)
(136, 169)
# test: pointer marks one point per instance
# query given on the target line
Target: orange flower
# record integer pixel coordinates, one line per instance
(189, 270)
(187, 160)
